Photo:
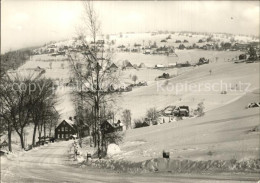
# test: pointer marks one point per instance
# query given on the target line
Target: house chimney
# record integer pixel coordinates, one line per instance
(70, 118)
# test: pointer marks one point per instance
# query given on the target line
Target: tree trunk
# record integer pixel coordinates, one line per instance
(130, 122)
(98, 130)
(44, 130)
(21, 139)
(50, 130)
(9, 137)
(34, 134)
(39, 131)
(95, 129)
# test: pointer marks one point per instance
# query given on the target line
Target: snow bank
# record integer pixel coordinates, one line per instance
(113, 149)
(80, 159)
(178, 166)
(189, 166)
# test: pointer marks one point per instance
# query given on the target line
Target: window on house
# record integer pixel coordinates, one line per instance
(66, 129)
(62, 135)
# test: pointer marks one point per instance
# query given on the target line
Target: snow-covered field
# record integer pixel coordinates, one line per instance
(146, 74)
(179, 138)
(222, 134)
(189, 88)
(192, 56)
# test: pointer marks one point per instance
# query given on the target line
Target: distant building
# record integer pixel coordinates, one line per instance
(159, 66)
(127, 65)
(172, 65)
(3, 144)
(100, 42)
(108, 126)
(147, 51)
(241, 46)
(142, 65)
(113, 67)
(242, 57)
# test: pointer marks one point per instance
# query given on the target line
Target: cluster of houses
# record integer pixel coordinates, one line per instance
(204, 45)
(169, 114)
(55, 50)
(52, 49)
(169, 50)
(148, 50)
(68, 129)
(201, 61)
(126, 64)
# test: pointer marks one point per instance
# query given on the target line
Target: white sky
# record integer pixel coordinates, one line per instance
(29, 23)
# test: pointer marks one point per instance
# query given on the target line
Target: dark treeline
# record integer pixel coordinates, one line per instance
(13, 59)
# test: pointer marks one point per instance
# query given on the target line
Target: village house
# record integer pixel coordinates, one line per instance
(159, 66)
(142, 65)
(113, 67)
(147, 51)
(127, 65)
(108, 126)
(52, 48)
(65, 129)
(172, 65)
(241, 46)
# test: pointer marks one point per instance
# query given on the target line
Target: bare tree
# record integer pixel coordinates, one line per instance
(152, 114)
(126, 118)
(17, 103)
(5, 116)
(50, 64)
(44, 114)
(200, 109)
(94, 77)
(134, 78)
(22, 102)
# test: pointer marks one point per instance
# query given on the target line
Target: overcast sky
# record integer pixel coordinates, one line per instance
(30, 23)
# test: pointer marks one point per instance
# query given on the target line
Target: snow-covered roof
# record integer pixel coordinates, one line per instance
(172, 64)
(159, 65)
(70, 122)
(114, 122)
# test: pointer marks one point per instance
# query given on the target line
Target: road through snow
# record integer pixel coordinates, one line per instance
(51, 164)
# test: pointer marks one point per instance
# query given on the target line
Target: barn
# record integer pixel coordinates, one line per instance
(65, 129)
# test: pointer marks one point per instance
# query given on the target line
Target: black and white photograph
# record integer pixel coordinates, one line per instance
(129, 91)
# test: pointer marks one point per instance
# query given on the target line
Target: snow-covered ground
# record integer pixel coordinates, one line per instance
(142, 98)
(183, 89)
(52, 164)
(222, 134)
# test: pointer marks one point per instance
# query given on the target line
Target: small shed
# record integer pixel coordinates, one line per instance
(142, 65)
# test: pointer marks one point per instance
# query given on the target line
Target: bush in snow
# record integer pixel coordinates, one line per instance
(200, 109)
